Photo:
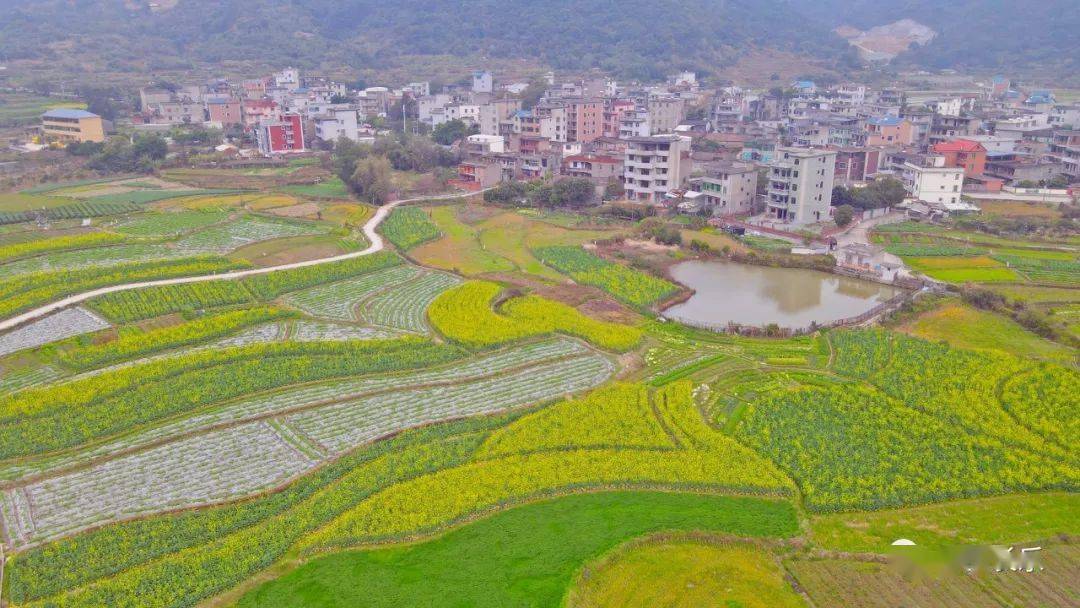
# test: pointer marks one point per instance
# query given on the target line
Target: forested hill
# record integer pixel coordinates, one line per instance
(637, 38)
(1040, 35)
(631, 38)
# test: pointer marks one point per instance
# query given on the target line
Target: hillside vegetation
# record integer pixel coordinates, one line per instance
(636, 38)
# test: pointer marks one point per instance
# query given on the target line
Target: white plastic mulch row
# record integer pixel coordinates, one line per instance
(343, 426)
(253, 456)
(314, 331)
(198, 470)
(338, 301)
(406, 307)
(57, 326)
(224, 238)
(17, 379)
(301, 396)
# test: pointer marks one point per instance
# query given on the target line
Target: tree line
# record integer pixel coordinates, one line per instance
(368, 169)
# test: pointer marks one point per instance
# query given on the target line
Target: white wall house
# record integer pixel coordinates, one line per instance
(482, 82)
(800, 184)
(486, 143)
(729, 189)
(936, 184)
(635, 123)
(465, 112)
(336, 122)
(655, 165)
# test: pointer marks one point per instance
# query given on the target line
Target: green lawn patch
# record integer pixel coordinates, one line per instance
(526, 556)
(1001, 519)
(332, 188)
(966, 327)
(975, 275)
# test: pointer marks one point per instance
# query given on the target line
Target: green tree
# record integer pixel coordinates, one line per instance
(882, 192)
(100, 101)
(573, 192)
(614, 189)
(346, 154)
(152, 147)
(532, 93)
(119, 155)
(507, 193)
(842, 196)
(372, 180)
(843, 215)
(452, 131)
(196, 136)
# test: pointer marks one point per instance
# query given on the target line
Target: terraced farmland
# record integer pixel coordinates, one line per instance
(255, 455)
(406, 307)
(244, 231)
(57, 326)
(340, 300)
(218, 431)
(202, 469)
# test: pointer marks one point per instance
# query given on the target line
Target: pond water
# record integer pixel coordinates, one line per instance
(759, 295)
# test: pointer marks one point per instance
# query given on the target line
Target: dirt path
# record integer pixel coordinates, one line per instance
(373, 237)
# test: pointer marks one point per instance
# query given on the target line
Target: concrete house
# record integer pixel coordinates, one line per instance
(800, 184)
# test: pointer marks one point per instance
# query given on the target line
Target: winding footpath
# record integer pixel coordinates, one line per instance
(369, 228)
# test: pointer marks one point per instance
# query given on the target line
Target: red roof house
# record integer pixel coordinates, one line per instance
(964, 153)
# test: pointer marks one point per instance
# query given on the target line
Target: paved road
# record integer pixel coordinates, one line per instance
(860, 233)
(369, 231)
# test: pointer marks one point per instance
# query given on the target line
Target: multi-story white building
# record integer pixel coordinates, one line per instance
(934, 182)
(1065, 116)
(493, 115)
(800, 184)
(485, 144)
(655, 165)
(375, 101)
(634, 123)
(426, 106)
(289, 78)
(419, 89)
(338, 120)
(482, 82)
(665, 113)
(465, 112)
(729, 189)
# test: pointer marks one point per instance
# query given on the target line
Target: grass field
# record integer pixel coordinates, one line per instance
(17, 109)
(331, 188)
(684, 573)
(17, 201)
(1019, 209)
(714, 239)
(1002, 519)
(975, 275)
(460, 248)
(966, 327)
(765, 243)
(929, 264)
(526, 556)
(513, 237)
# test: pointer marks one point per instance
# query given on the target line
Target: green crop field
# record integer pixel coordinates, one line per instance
(626, 284)
(545, 543)
(493, 412)
(20, 109)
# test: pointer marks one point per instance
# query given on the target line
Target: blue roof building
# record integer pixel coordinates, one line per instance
(68, 114)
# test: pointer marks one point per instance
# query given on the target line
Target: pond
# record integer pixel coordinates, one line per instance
(759, 295)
